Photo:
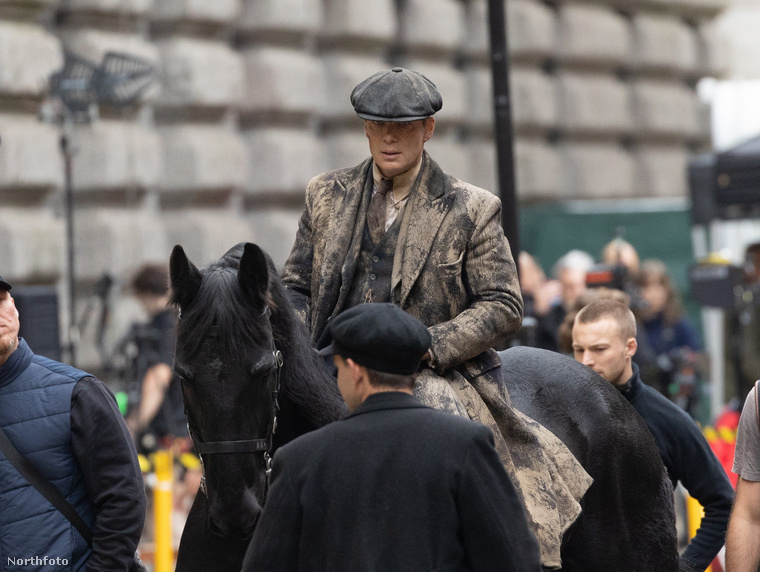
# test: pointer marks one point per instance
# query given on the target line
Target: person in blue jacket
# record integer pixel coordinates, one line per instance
(604, 339)
(67, 423)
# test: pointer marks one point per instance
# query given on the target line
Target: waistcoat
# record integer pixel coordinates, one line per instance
(372, 278)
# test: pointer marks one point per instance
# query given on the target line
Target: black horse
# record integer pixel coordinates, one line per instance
(245, 360)
(628, 519)
(235, 319)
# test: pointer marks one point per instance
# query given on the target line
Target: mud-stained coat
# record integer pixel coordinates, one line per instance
(452, 270)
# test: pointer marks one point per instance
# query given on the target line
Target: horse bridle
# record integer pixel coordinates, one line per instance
(245, 445)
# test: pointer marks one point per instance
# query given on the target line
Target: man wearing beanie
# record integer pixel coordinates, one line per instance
(396, 228)
(395, 485)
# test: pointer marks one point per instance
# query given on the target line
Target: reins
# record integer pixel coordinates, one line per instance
(246, 445)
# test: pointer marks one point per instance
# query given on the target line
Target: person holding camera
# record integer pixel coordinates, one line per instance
(670, 335)
(160, 414)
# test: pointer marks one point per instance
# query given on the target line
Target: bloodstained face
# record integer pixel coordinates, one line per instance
(396, 146)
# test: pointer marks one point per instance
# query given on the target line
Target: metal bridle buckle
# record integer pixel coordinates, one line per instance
(268, 462)
(203, 488)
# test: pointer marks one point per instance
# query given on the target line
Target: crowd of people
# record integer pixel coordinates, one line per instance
(404, 278)
(669, 350)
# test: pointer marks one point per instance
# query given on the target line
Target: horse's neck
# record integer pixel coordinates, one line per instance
(308, 390)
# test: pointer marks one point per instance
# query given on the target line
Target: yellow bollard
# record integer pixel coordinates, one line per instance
(694, 514)
(163, 461)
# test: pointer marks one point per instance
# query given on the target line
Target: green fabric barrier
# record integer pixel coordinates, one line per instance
(549, 231)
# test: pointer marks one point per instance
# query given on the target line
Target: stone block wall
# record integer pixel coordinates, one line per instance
(251, 100)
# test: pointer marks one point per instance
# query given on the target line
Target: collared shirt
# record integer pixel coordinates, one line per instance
(402, 186)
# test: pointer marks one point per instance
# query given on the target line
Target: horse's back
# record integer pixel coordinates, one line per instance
(569, 399)
(628, 521)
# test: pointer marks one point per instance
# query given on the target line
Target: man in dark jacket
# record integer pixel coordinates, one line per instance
(395, 485)
(604, 338)
(160, 416)
(66, 423)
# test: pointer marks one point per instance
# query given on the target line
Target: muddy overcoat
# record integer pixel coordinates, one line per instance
(453, 270)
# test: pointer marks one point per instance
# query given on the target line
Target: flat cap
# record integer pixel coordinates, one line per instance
(4, 285)
(397, 94)
(381, 337)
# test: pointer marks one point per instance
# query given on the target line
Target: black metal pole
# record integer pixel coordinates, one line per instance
(66, 148)
(503, 123)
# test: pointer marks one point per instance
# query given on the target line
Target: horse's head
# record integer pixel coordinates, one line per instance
(228, 363)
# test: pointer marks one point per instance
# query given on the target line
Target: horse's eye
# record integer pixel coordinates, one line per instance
(262, 371)
(263, 368)
(183, 376)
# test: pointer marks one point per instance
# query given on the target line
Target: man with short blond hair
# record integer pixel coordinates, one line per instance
(604, 339)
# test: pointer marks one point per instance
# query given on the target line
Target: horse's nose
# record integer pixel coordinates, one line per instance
(235, 519)
(229, 530)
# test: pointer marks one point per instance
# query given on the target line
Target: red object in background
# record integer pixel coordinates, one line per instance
(722, 440)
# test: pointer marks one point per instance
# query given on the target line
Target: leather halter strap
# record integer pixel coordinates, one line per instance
(247, 446)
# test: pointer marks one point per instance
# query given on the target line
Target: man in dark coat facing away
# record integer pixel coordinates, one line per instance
(394, 486)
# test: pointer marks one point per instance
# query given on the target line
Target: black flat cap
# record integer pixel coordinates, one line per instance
(4, 285)
(381, 337)
(397, 94)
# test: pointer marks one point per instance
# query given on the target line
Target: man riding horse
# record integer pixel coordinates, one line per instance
(397, 229)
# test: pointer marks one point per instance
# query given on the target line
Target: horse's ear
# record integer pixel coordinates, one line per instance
(185, 277)
(253, 273)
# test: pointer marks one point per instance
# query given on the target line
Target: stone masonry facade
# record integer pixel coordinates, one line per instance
(252, 100)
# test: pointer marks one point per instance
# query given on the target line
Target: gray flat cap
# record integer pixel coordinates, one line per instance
(397, 94)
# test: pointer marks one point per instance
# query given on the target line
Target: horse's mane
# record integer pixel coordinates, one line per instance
(310, 387)
(222, 305)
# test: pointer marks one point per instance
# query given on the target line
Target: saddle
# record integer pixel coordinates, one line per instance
(545, 473)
